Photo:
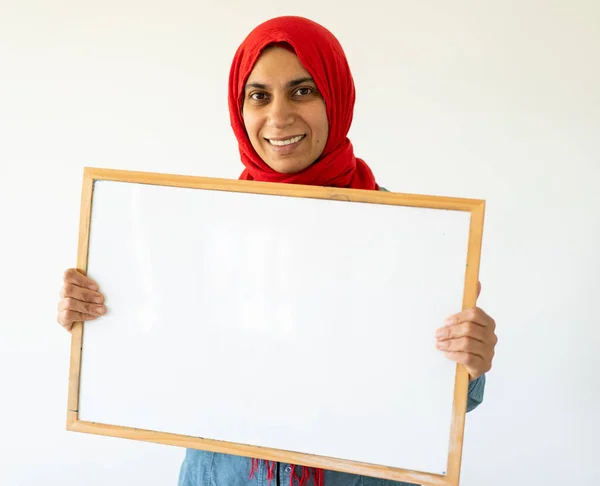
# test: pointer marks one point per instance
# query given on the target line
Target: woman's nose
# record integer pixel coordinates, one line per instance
(281, 113)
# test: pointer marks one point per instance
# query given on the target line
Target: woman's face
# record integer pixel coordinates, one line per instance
(284, 113)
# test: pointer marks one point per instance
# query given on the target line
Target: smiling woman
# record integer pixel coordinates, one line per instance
(291, 103)
(284, 113)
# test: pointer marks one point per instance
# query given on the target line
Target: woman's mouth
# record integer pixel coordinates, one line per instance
(285, 146)
(283, 142)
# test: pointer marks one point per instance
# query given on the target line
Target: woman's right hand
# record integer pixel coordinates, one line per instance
(80, 299)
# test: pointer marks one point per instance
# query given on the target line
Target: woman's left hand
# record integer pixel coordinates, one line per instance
(469, 338)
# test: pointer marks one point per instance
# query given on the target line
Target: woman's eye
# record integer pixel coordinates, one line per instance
(258, 96)
(304, 91)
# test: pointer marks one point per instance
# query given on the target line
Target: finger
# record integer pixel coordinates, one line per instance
(66, 318)
(80, 293)
(474, 363)
(74, 276)
(70, 304)
(466, 329)
(475, 315)
(465, 345)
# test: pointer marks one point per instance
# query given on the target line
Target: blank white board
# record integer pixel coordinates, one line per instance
(297, 324)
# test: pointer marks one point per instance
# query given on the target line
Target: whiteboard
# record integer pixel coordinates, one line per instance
(290, 323)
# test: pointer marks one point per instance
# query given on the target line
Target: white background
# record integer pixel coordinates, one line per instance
(495, 100)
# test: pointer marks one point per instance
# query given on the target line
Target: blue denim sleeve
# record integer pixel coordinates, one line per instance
(476, 389)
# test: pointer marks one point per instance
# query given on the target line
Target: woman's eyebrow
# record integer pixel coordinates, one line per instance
(298, 81)
(291, 84)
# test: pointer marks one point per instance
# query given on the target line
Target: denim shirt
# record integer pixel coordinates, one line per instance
(202, 468)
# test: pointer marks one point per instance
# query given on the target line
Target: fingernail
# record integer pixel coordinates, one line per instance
(100, 310)
(99, 300)
(449, 321)
(440, 333)
(92, 287)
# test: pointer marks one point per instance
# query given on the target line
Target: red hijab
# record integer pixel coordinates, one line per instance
(323, 57)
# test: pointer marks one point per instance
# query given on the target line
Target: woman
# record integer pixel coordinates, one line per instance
(291, 101)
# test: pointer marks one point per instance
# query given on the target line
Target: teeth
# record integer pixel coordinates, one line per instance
(281, 143)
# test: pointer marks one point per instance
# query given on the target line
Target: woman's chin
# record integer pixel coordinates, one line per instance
(288, 166)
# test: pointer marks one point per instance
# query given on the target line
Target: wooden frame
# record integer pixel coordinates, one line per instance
(475, 207)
